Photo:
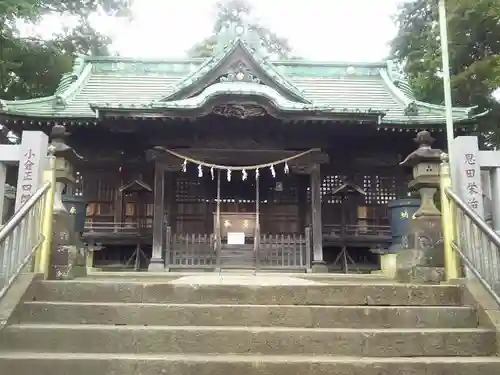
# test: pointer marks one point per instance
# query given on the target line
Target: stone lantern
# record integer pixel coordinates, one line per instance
(68, 254)
(421, 258)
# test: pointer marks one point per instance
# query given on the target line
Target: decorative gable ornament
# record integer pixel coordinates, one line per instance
(411, 109)
(59, 102)
(240, 73)
(240, 111)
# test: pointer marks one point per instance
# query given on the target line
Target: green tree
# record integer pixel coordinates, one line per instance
(473, 28)
(32, 67)
(236, 11)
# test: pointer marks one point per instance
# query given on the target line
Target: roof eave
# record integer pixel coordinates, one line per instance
(15, 107)
(401, 97)
(312, 114)
(466, 121)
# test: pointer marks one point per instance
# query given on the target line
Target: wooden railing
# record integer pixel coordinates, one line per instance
(285, 251)
(115, 227)
(332, 230)
(335, 230)
(190, 250)
(291, 251)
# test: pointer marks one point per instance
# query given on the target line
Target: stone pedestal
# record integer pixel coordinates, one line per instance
(421, 258)
(68, 253)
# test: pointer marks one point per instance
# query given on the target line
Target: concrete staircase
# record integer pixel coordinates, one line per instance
(147, 327)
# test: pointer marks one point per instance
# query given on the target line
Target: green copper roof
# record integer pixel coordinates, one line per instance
(98, 85)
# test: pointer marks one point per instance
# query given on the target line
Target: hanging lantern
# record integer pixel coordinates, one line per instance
(244, 175)
(229, 175)
(184, 165)
(200, 171)
(273, 172)
(212, 173)
(286, 169)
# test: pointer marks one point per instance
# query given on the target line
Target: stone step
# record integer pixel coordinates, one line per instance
(243, 340)
(162, 276)
(247, 315)
(313, 294)
(134, 364)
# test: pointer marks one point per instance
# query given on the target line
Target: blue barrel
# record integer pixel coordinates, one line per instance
(76, 205)
(401, 211)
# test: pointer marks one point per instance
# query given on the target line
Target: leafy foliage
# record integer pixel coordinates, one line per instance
(31, 67)
(236, 11)
(474, 44)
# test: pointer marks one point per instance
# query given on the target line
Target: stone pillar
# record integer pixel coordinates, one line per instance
(68, 256)
(32, 160)
(157, 262)
(318, 264)
(421, 258)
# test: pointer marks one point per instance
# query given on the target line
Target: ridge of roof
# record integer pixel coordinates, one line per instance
(68, 78)
(201, 60)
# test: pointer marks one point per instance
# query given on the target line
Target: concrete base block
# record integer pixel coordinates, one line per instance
(319, 267)
(388, 264)
(156, 265)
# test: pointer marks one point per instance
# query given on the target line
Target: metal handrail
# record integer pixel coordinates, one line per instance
(20, 237)
(22, 212)
(490, 234)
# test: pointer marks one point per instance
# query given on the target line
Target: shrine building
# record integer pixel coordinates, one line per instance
(237, 160)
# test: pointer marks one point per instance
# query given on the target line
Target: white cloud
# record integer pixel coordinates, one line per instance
(338, 30)
(496, 94)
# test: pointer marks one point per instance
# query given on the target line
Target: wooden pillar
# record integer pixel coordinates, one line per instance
(302, 185)
(170, 201)
(157, 262)
(318, 264)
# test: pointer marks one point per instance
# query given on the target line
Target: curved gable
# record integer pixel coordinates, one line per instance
(238, 64)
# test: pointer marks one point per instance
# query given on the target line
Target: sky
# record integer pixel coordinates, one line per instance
(335, 30)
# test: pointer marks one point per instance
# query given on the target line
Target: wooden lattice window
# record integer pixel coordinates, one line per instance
(386, 189)
(328, 185)
(371, 190)
(379, 190)
(79, 184)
